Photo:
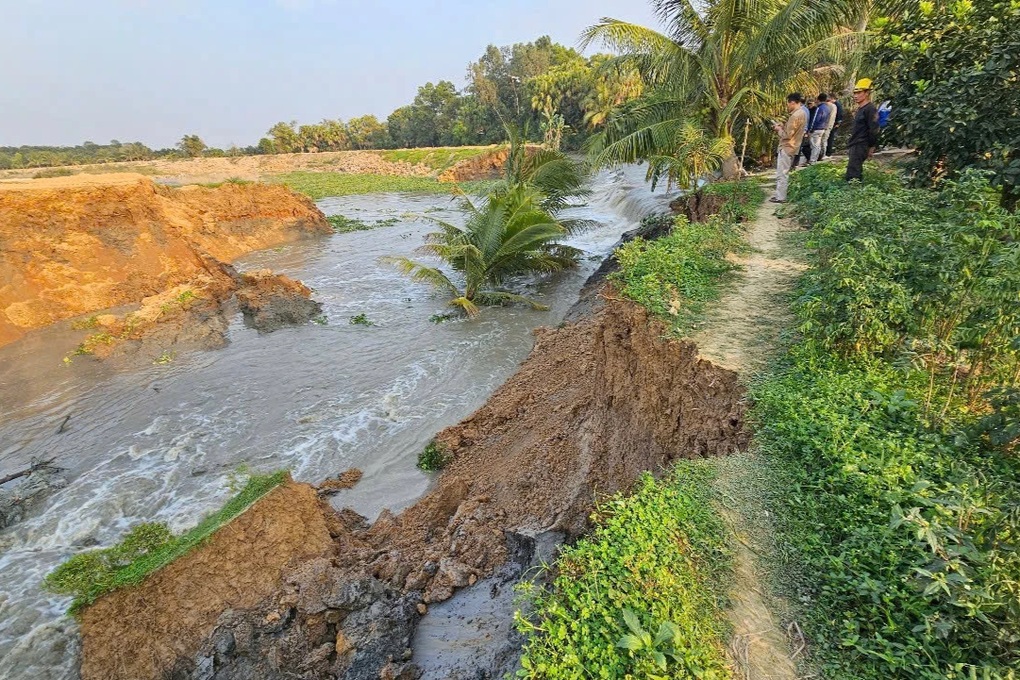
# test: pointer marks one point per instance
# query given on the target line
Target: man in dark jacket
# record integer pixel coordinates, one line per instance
(864, 135)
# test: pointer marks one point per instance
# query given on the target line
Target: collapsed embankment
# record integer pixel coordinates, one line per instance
(596, 403)
(75, 245)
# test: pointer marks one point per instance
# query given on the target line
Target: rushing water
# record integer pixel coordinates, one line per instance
(163, 442)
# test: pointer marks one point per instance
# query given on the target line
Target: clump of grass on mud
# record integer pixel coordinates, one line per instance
(435, 456)
(318, 185)
(641, 596)
(676, 275)
(146, 548)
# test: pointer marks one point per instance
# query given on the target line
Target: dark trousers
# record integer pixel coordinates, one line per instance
(832, 140)
(855, 167)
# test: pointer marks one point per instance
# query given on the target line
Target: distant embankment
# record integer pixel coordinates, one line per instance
(75, 245)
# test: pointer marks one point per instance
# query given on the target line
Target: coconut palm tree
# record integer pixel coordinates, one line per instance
(716, 66)
(507, 234)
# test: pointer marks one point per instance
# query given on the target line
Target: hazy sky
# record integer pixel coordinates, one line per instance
(153, 70)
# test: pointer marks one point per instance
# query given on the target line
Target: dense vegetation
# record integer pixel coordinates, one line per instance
(146, 548)
(892, 425)
(953, 70)
(641, 595)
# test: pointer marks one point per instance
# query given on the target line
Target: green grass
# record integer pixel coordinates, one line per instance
(641, 595)
(318, 185)
(438, 159)
(674, 277)
(147, 548)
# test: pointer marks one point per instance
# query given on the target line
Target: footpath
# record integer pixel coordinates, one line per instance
(738, 333)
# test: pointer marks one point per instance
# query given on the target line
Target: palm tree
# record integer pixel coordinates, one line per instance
(506, 234)
(715, 67)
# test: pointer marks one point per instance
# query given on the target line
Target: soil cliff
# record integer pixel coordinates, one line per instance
(75, 245)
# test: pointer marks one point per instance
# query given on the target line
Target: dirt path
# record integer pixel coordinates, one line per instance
(738, 335)
(743, 325)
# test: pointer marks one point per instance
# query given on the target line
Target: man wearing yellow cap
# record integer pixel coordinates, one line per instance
(864, 135)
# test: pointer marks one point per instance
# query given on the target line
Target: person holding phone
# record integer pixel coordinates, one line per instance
(790, 137)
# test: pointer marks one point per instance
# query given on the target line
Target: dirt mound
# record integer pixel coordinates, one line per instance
(270, 301)
(70, 247)
(488, 165)
(140, 632)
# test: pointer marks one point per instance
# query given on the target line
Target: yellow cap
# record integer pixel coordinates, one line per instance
(863, 84)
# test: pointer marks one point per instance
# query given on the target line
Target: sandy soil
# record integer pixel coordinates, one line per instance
(254, 168)
(76, 245)
(740, 328)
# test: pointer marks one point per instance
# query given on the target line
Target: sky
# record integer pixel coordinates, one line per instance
(226, 70)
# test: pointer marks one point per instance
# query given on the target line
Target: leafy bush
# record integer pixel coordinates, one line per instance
(674, 276)
(952, 69)
(932, 279)
(146, 548)
(434, 457)
(656, 561)
(742, 199)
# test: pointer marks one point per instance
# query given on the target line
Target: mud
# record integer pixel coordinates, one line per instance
(271, 301)
(143, 631)
(596, 403)
(72, 246)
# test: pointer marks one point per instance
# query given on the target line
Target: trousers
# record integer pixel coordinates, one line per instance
(783, 163)
(855, 166)
(818, 141)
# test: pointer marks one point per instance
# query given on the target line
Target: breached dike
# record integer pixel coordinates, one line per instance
(76, 245)
(596, 403)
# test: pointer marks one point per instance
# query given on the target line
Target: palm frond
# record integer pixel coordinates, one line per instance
(422, 274)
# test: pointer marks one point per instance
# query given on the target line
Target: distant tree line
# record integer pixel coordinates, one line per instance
(552, 91)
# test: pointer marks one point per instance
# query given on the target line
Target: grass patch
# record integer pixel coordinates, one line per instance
(433, 457)
(53, 172)
(641, 596)
(90, 323)
(317, 185)
(146, 548)
(438, 159)
(675, 276)
(216, 185)
(89, 345)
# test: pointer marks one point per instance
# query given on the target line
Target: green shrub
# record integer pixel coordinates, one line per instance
(435, 456)
(641, 595)
(146, 548)
(361, 320)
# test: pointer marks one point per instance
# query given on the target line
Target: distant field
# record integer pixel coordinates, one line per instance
(318, 185)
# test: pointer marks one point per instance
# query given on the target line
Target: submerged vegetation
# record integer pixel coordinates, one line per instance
(146, 548)
(512, 231)
(888, 422)
(344, 225)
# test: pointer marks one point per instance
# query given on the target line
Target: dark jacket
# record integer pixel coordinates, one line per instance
(820, 120)
(865, 130)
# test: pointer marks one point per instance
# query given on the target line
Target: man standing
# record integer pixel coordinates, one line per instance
(820, 126)
(790, 137)
(864, 135)
(836, 123)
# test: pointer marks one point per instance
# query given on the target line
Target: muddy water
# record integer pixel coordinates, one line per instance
(166, 442)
